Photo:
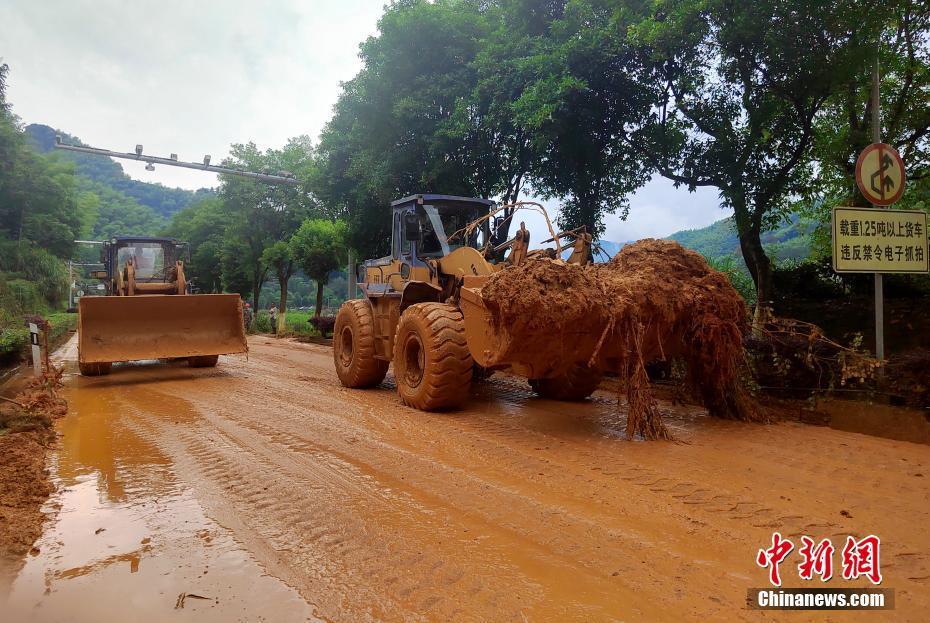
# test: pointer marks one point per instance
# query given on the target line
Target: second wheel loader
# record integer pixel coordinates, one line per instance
(149, 313)
(423, 309)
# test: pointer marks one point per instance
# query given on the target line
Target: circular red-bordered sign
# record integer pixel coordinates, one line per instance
(880, 174)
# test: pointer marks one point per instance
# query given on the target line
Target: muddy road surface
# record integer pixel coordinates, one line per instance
(262, 490)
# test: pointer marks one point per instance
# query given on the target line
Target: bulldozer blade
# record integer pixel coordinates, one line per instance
(129, 328)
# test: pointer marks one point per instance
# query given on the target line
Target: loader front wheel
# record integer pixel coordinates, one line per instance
(95, 369)
(432, 365)
(354, 346)
(203, 361)
(575, 385)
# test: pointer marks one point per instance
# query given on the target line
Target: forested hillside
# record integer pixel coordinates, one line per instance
(719, 240)
(488, 99)
(162, 200)
(788, 241)
(42, 211)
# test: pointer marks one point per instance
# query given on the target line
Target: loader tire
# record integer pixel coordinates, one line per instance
(432, 364)
(354, 346)
(203, 361)
(95, 369)
(573, 386)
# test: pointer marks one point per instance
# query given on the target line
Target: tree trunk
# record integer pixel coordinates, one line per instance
(760, 268)
(282, 307)
(319, 297)
(284, 275)
(511, 195)
(256, 290)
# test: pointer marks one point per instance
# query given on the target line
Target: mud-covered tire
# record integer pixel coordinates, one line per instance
(354, 346)
(432, 364)
(95, 369)
(575, 385)
(203, 361)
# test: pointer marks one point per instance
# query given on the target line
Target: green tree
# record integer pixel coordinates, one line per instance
(201, 225)
(278, 257)
(581, 106)
(844, 127)
(259, 214)
(38, 200)
(738, 87)
(318, 247)
(115, 214)
(4, 107)
(423, 115)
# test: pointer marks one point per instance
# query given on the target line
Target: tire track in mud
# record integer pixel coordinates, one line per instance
(411, 516)
(397, 566)
(343, 494)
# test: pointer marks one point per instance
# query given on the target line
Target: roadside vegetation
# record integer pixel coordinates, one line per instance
(579, 101)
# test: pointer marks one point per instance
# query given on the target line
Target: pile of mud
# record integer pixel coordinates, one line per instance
(24, 486)
(654, 300)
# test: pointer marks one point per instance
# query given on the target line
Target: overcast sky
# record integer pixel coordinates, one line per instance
(193, 77)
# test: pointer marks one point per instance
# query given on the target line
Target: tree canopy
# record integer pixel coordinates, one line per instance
(318, 247)
(577, 101)
(738, 87)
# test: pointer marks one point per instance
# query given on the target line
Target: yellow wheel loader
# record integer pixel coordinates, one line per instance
(149, 313)
(423, 308)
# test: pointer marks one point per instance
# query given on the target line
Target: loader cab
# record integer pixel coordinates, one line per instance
(154, 259)
(429, 227)
(424, 229)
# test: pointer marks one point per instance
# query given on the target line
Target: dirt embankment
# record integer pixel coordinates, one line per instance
(25, 435)
(23, 489)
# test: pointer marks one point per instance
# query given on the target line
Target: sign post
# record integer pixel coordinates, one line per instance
(36, 349)
(880, 177)
(876, 240)
(879, 291)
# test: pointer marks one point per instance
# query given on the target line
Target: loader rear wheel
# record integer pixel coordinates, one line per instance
(203, 361)
(354, 346)
(575, 385)
(95, 369)
(432, 365)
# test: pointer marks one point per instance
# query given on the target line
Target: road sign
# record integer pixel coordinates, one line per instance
(874, 240)
(880, 174)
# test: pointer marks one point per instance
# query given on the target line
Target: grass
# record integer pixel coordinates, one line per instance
(296, 324)
(14, 336)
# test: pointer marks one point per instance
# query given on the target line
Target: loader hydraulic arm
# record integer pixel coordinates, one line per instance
(519, 246)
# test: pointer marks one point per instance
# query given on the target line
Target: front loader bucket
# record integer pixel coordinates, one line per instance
(157, 326)
(538, 355)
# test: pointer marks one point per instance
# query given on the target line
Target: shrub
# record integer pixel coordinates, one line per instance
(737, 274)
(47, 273)
(323, 324)
(22, 297)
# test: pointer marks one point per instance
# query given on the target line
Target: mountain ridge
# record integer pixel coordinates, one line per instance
(788, 241)
(162, 200)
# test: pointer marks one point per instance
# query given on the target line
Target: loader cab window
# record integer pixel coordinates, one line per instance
(149, 259)
(441, 227)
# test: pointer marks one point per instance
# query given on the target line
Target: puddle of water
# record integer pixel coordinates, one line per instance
(877, 419)
(126, 538)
